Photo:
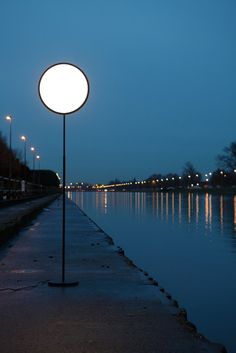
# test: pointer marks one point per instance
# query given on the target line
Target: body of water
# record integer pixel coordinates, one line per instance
(186, 241)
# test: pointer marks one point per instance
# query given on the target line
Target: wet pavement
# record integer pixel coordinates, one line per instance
(115, 308)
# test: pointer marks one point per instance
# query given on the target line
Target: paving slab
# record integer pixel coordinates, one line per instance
(115, 308)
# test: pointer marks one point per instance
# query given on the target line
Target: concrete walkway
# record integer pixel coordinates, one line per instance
(115, 308)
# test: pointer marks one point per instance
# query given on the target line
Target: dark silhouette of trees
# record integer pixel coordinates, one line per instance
(190, 175)
(18, 168)
(227, 160)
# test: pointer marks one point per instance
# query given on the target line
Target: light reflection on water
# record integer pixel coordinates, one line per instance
(187, 241)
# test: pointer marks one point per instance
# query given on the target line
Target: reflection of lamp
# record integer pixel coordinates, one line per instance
(63, 89)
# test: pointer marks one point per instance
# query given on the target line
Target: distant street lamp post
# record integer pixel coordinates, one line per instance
(9, 119)
(33, 157)
(24, 139)
(33, 162)
(38, 159)
(63, 89)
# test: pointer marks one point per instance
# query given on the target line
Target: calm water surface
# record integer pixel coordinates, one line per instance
(185, 241)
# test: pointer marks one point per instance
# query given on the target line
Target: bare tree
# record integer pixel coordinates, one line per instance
(227, 160)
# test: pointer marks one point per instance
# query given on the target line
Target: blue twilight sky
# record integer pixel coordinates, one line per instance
(162, 75)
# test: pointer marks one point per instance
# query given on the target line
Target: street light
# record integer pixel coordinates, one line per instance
(38, 159)
(33, 162)
(63, 89)
(9, 119)
(33, 154)
(24, 139)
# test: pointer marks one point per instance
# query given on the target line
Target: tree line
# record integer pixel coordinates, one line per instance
(223, 176)
(11, 161)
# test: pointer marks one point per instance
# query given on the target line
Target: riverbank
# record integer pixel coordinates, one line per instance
(116, 307)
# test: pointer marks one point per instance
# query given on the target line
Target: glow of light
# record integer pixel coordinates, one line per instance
(8, 117)
(180, 178)
(189, 176)
(63, 88)
(173, 178)
(210, 173)
(207, 179)
(221, 172)
(206, 175)
(234, 170)
(23, 138)
(32, 149)
(167, 179)
(38, 157)
(197, 175)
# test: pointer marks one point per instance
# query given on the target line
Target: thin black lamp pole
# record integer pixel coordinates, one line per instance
(25, 153)
(10, 161)
(9, 118)
(24, 139)
(25, 160)
(64, 200)
(63, 282)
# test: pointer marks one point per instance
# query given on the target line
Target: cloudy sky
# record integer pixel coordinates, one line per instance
(162, 76)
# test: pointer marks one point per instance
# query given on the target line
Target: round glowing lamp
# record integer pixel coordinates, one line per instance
(63, 88)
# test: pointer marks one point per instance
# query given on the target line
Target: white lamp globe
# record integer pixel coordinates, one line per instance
(63, 88)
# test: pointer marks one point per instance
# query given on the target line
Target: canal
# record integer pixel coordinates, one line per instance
(186, 241)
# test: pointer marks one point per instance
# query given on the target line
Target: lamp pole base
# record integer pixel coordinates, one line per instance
(63, 284)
